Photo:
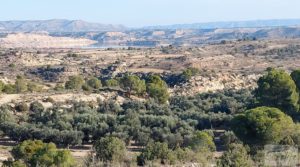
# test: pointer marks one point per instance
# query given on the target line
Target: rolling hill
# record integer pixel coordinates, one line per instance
(56, 25)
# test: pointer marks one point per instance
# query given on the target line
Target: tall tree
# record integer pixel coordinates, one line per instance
(277, 89)
(158, 89)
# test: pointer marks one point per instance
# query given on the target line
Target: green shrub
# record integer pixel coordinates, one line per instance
(74, 82)
(110, 149)
(37, 153)
(236, 156)
(94, 83)
(22, 107)
(262, 125)
(112, 83)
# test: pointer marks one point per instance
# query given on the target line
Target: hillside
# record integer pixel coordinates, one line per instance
(56, 25)
(232, 24)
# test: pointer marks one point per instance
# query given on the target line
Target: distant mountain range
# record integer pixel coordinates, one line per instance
(118, 35)
(234, 24)
(56, 25)
(59, 25)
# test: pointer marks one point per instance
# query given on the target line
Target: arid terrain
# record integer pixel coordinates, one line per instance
(157, 83)
(230, 65)
(233, 65)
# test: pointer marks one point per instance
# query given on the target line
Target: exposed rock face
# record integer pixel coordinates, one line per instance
(22, 40)
(200, 84)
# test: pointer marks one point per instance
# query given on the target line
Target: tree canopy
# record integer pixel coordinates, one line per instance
(262, 125)
(133, 84)
(277, 89)
(110, 149)
(158, 89)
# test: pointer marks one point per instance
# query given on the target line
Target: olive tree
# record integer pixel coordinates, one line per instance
(110, 149)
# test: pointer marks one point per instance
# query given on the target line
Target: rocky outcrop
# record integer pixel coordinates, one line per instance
(29, 40)
(202, 84)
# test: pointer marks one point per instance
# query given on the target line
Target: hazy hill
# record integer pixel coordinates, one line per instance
(234, 24)
(56, 26)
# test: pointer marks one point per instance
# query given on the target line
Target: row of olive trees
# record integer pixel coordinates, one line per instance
(112, 150)
(155, 87)
(133, 120)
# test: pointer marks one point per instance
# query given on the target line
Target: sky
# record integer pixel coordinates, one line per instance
(137, 13)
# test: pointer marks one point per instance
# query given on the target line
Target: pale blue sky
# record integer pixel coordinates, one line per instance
(149, 12)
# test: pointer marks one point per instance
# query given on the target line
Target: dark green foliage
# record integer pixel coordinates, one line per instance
(110, 149)
(12, 65)
(227, 101)
(29, 131)
(10, 163)
(72, 55)
(74, 82)
(228, 138)
(236, 156)
(296, 77)
(262, 125)
(158, 89)
(133, 84)
(154, 151)
(94, 83)
(22, 107)
(189, 73)
(202, 141)
(36, 107)
(48, 73)
(86, 87)
(277, 89)
(175, 124)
